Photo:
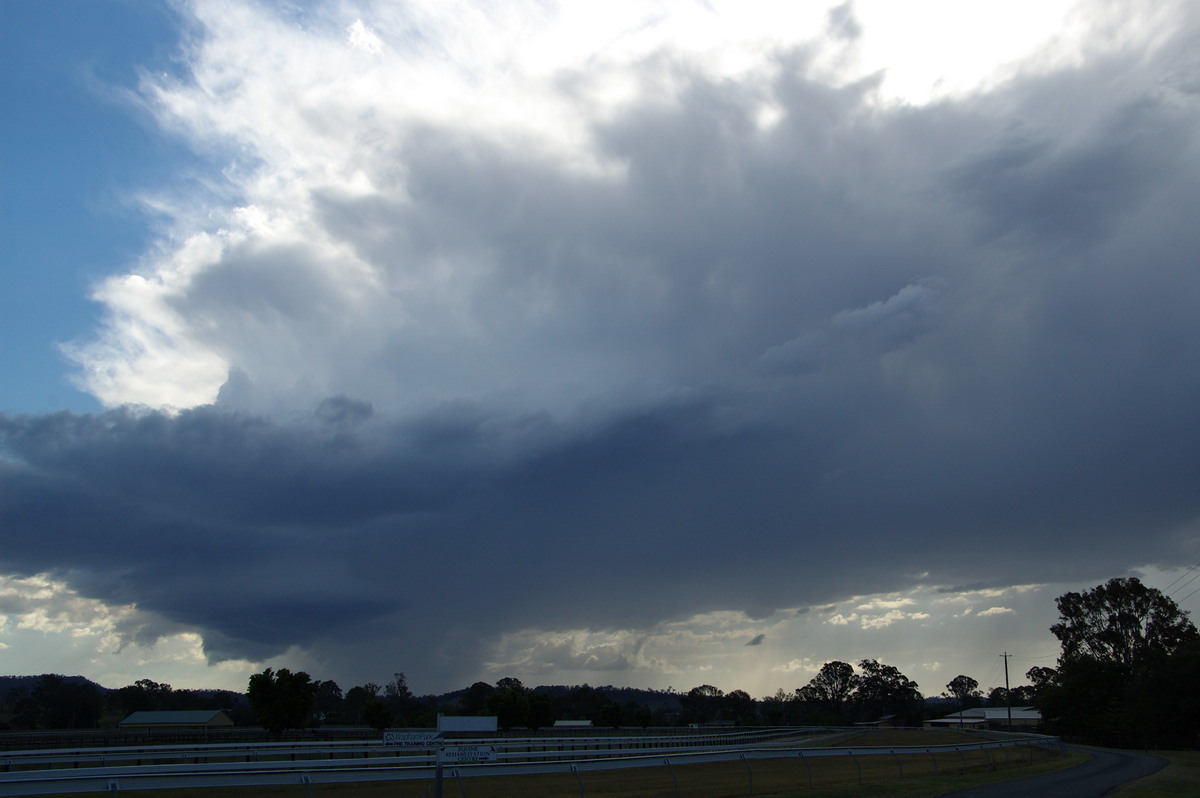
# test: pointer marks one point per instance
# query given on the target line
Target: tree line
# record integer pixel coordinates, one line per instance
(54, 701)
(1127, 676)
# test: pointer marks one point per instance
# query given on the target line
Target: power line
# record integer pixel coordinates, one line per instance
(1188, 596)
(1181, 576)
(1188, 582)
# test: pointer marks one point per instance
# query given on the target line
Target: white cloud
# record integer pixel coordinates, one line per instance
(803, 665)
(49, 627)
(363, 38)
(995, 611)
(365, 252)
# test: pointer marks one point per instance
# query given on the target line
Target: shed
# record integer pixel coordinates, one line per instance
(180, 719)
(989, 717)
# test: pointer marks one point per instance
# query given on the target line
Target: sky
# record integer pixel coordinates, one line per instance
(653, 344)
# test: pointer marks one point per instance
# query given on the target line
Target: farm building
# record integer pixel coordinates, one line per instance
(988, 718)
(184, 719)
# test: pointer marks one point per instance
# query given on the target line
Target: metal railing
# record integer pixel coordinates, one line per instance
(263, 765)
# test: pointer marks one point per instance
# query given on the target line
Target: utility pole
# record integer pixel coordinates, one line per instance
(1007, 692)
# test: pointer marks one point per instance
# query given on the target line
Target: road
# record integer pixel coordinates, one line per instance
(1105, 771)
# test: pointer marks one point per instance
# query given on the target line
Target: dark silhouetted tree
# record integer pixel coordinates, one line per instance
(1040, 678)
(884, 690)
(355, 701)
(400, 700)
(611, 715)
(965, 690)
(829, 690)
(63, 703)
(141, 696)
(582, 703)
(739, 707)
(702, 704)
(377, 714)
(509, 703)
(1121, 621)
(541, 711)
(328, 702)
(282, 700)
(25, 711)
(474, 700)
(776, 709)
(1020, 696)
(1120, 678)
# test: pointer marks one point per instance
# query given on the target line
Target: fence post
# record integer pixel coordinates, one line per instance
(899, 764)
(461, 789)
(857, 766)
(807, 767)
(306, 780)
(749, 774)
(963, 757)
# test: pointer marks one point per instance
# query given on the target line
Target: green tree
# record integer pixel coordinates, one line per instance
(282, 700)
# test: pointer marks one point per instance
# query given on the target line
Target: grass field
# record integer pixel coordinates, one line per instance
(1181, 777)
(906, 774)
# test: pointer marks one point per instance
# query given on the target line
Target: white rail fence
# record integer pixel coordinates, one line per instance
(33, 772)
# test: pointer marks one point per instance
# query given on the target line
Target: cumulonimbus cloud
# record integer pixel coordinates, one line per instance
(663, 330)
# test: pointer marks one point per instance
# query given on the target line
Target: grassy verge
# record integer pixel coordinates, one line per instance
(1181, 777)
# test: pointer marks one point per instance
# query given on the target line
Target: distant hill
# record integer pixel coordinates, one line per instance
(8, 683)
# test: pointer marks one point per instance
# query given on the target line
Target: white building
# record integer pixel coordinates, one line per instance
(988, 718)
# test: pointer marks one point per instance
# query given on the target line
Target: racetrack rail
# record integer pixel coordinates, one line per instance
(377, 764)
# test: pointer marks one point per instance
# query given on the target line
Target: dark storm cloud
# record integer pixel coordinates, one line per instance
(959, 339)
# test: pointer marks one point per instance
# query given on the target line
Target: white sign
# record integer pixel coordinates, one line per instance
(469, 753)
(421, 739)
